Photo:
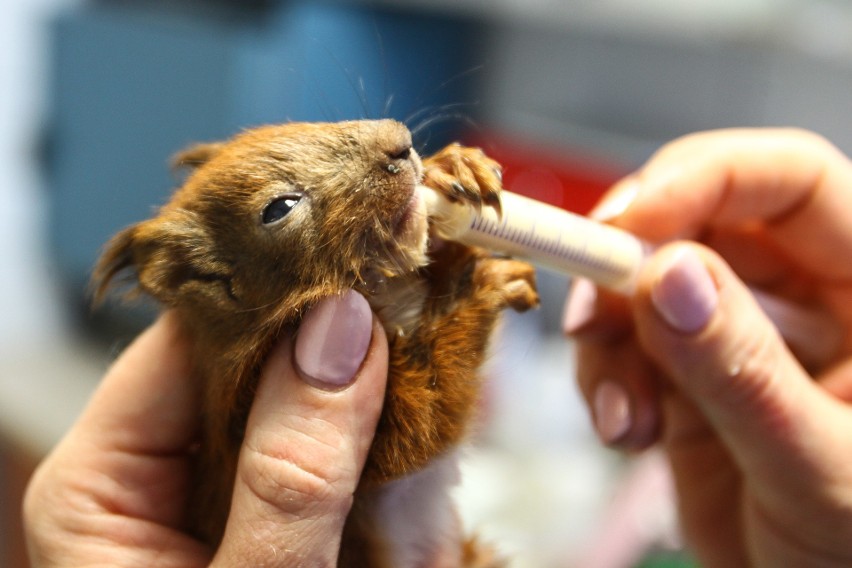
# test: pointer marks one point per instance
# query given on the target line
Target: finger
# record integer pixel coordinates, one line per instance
(148, 400)
(125, 460)
(794, 182)
(136, 432)
(618, 383)
(839, 382)
(706, 332)
(592, 312)
(614, 376)
(307, 439)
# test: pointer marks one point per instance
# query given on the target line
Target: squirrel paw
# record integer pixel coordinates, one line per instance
(512, 281)
(464, 174)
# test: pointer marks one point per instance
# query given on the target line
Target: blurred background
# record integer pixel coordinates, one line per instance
(569, 94)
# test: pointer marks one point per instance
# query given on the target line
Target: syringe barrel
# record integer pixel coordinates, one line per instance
(550, 237)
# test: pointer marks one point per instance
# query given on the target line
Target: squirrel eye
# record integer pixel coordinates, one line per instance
(279, 207)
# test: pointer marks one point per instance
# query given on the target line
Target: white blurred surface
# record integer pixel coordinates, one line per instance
(27, 300)
(38, 391)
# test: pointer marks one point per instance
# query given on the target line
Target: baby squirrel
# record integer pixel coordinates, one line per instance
(277, 218)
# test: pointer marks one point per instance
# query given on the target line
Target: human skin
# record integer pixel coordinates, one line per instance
(759, 445)
(113, 492)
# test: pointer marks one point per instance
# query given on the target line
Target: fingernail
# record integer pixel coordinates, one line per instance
(616, 202)
(613, 415)
(333, 340)
(685, 295)
(580, 307)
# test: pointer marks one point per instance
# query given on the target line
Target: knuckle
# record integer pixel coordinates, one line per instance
(284, 483)
(298, 476)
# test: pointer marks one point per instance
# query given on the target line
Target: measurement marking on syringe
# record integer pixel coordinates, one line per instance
(480, 224)
(581, 256)
(520, 238)
(527, 238)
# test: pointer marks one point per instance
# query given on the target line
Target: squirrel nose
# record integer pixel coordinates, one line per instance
(402, 153)
(393, 139)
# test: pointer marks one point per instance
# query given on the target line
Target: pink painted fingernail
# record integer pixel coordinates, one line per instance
(685, 295)
(613, 414)
(333, 340)
(580, 307)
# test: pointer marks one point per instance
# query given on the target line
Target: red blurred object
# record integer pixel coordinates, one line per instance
(559, 176)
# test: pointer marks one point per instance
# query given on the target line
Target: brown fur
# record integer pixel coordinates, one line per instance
(237, 283)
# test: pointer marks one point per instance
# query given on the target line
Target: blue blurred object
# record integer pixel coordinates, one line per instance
(135, 82)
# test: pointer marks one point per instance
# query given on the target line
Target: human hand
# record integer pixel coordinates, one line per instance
(759, 446)
(114, 491)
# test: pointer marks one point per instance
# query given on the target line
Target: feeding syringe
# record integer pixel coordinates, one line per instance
(611, 257)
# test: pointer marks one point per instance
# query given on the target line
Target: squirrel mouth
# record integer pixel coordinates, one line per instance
(412, 212)
(410, 232)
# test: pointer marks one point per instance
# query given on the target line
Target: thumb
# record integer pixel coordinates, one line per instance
(307, 438)
(702, 326)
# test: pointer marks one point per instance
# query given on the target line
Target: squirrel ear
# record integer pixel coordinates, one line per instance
(172, 258)
(116, 257)
(196, 155)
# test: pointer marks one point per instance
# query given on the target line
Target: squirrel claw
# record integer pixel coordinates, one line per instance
(465, 174)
